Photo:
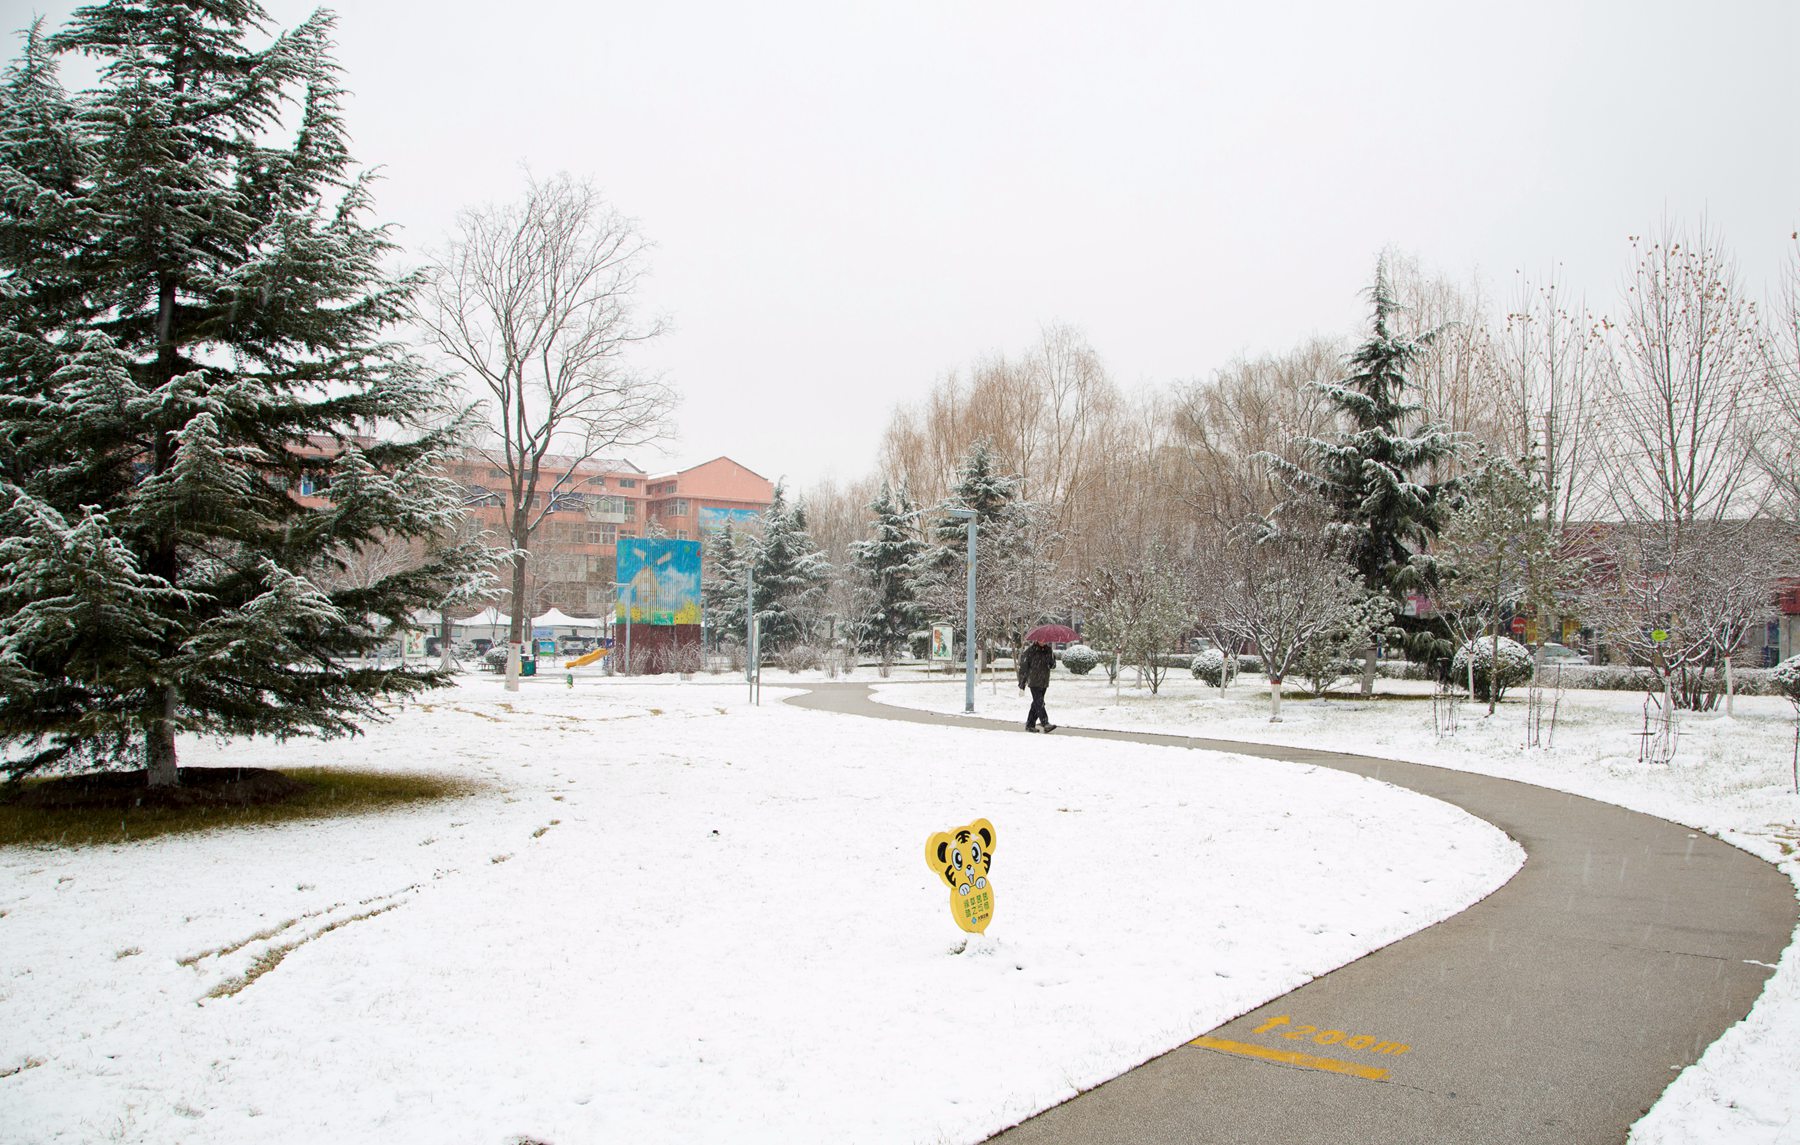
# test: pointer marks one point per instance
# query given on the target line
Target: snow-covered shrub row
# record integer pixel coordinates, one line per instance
(1080, 659)
(1401, 669)
(1598, 677)
(1514, 665)
(1214, 667)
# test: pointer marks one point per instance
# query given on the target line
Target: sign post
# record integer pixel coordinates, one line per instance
(961, 857)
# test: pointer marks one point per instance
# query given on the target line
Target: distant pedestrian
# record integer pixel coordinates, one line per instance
(1034, 673)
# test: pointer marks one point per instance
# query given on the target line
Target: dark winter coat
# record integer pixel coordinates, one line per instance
(1035, 665)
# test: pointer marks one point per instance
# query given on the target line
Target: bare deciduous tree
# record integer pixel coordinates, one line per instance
(1682, 376)
(1262, 405)
(1683, 379)
(532, 302)
(1685, 600)
(1546, 359)
(1453, 374)
(1779, 450)
(1138, 610)
(1281, 584)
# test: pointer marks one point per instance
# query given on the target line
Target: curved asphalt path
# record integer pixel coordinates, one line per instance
(1555, 1010)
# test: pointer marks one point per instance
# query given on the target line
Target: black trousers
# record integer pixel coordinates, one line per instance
(1037, 714)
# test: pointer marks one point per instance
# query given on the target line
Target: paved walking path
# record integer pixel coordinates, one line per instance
(1555, 1010)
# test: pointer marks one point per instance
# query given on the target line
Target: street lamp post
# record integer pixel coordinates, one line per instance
(752, 651)
(969, 631)
(630, 595)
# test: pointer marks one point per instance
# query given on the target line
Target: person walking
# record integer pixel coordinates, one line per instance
(1034, 673)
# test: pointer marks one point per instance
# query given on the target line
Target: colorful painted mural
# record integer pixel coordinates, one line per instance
(665, 580)
(713, 519)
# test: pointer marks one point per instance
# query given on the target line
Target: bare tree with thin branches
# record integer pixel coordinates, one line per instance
(533, 303)
(1283, 583)
(1547, 360)
(1779, 450)
(1681, 437)
(1682, 377)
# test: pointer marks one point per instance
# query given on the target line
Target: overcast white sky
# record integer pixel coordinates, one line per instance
(849, 199)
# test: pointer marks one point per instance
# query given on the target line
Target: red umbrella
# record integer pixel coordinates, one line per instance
(1052, 634)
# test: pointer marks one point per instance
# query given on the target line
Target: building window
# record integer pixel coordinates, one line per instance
(678, 508)
(627, 483)
(602, 534)
(314, 485)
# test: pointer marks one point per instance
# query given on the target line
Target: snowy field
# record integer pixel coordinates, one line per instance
(672, 917)
(1732, 777)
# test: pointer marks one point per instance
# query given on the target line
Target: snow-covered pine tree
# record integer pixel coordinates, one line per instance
(791, 573)
(1016, 581)
(888, 563)
(722, 582)
(193, 330)
(1366, 472)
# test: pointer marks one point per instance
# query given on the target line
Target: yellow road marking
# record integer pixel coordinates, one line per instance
(1290, 1057)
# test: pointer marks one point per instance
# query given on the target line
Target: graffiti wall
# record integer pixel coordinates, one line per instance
(665, 580)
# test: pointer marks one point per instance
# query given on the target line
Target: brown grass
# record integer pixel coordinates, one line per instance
(27, 817)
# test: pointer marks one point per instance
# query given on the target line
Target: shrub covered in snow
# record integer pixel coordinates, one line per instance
(1784, 678)
(1214, 667)
(800, 658)
(1515, 665)
(1080, 659)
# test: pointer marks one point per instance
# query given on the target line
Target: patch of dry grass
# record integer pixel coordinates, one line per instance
(325, 794)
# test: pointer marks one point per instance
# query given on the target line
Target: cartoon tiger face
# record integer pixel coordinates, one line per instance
(961, 858)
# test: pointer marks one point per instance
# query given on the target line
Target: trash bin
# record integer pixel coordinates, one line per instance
(528, 667)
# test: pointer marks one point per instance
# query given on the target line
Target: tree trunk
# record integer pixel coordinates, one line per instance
(515, 632)
(159, 745)
(1730, 711)
(1274, 699)
(1368, 672)
(444, 657)
(1494, 672)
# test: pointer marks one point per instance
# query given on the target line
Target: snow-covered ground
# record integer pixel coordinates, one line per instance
(670, 916)
(1731, 776)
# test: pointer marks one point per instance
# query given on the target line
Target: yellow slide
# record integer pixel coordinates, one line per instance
(589, 658)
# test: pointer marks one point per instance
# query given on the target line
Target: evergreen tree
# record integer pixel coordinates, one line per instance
(979, 486)
(194, 329)
(722, 586)
(1016, 581)
(1367, 474)
(888, 563)
(791, 574)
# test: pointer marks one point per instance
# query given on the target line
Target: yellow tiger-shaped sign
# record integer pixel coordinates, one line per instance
(961, 857)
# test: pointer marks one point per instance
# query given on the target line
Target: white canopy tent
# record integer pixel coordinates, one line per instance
(490, 623)
(562, 624)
